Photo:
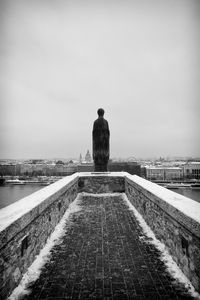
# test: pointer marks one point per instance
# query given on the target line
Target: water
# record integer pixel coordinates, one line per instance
(12, 193)
(190, 193)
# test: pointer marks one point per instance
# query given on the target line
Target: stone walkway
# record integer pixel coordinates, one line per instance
(103, 257)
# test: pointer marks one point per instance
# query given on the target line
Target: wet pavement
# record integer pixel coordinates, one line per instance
(102, 256)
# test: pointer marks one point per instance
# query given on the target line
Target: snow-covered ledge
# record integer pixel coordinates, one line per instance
(26, 225)
(174, 219)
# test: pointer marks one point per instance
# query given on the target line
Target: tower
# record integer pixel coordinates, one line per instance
(88, 157)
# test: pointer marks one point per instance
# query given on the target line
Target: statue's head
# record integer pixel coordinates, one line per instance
(100, 112)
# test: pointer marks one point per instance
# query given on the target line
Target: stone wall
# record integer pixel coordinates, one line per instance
(99, 183)
(26, 224)
(179, 232)
(23, 239)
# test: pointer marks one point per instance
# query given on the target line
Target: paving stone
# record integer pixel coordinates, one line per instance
(105, 255)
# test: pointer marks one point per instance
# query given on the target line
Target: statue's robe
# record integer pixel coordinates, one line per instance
(101, 152)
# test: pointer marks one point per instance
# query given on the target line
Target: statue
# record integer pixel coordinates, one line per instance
(100, 135)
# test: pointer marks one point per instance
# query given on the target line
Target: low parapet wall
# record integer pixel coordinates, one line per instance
(26, 224)
(97, 183)
(174, 219)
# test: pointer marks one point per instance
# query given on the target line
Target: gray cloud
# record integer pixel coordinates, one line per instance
(61, 60)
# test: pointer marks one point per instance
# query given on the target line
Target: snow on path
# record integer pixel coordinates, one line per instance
(172, 267)
(34, 270)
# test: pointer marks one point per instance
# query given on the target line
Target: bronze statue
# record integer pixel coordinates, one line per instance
(101, 135)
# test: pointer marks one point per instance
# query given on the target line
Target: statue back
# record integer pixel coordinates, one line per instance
(101, 152)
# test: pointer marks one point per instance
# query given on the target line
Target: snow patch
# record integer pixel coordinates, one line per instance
(35, 269)
(172, 267)
(100, 195)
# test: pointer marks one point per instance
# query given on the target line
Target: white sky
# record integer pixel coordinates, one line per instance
(62, 60)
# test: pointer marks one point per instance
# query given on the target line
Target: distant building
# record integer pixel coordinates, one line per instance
(26, 169)
(88, 158)
(174, 173)
(64, 170)
(191, 170)
(10, 169)
(38, 169)
(60, 169)
(154, 173)
(164, 173)
(50, 170)
(85, 167)
(32, 169)
(130, 167)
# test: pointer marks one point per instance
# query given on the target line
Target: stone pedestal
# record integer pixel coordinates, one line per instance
(101, 168)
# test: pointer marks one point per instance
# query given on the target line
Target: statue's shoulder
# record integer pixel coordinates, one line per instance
(105, 123)
(100, 122)
(96, 122)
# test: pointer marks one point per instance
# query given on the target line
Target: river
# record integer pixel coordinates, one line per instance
(189, 192)
(12, 193)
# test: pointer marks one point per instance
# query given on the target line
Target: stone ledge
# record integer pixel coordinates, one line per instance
(18, 215)
(22, 240)
(98, 183)
(33, 218)
(170, 202)
(102, 174)
(173, 226)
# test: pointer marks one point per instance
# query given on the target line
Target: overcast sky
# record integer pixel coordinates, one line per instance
(62, 60)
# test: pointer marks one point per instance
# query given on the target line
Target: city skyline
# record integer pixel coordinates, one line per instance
(60, 61)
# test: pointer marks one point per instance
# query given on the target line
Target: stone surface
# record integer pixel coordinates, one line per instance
(171, 227)
(15, 217)
(19, 252)
(22, 240)
(102, 256)
(101, 184)
(186, 209)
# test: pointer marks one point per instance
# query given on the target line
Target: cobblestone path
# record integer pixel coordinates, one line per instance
(102, 257)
